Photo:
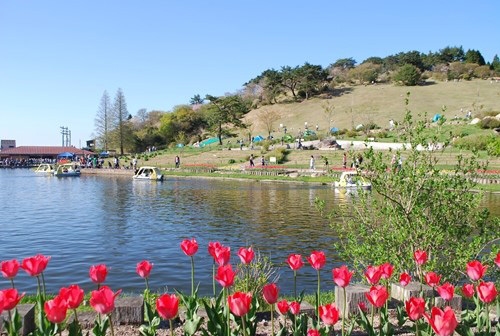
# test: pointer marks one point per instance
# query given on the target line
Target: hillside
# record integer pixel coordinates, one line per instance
(381, 102)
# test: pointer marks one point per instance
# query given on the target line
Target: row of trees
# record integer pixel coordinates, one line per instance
(116, 128)
(406, 68)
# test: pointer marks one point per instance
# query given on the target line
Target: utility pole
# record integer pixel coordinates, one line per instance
(66, 136)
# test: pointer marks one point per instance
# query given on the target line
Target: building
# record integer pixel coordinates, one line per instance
(6, 144)
(40, 152)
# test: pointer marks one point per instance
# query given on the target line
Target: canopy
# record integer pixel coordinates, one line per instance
(65, 155)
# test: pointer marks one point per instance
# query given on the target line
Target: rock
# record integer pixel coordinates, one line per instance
(354, 295)
(27, 313)
(129, 310)
(402, 294)
(455, 303)
(475, 121)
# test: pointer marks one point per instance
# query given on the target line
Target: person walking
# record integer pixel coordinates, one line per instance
(344, 161)
(311, 163)
(177, 161)
(251, 161)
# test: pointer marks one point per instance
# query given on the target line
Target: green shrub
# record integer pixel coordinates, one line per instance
(280, 154)
(475, 141)
(493, 147)
(231, 161)
(351, 134)
(489, 122)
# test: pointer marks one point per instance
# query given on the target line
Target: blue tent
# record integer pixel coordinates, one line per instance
(334, 130)
(258, 138)
(208, 141)
(436, 117)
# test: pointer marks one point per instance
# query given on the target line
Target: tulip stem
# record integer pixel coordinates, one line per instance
(192, 276)
(171, 327)
(343, 311)
(317, 298)
(213, 277)
(488, 322)
(295, 284)
(272, 320)
(244, 325)
(111, 325)
(12, 282)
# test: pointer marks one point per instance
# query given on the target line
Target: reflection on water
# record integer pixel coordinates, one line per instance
(119, 221)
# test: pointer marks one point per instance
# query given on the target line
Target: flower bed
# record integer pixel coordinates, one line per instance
(233, 310)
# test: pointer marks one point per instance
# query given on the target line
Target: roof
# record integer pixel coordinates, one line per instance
(43, 150)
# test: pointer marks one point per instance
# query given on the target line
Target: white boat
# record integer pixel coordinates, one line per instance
(351, 180)
(67, 170)
(148, 173)
(45, 168)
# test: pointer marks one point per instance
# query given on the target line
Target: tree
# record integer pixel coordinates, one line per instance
(224, 113)
(408, 75)
(344, 63)
(103, 122)
(121, 117)
(366, 72)
(272, 85)
(196, 100)
(267, 118)
(495, 65)
(416, 206)
(312, 77)
(290, 78)
(474, 56)
(451, 54)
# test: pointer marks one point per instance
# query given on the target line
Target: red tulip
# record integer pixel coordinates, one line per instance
(373, 274)
(144, 268)
(103, 300)
(487, 291)
(468, 290)
(239, 303)
(167, 306)
(420, 257)
(270, 293)
(35, 265)
(342, 276)
(283, 307)
(377, 295)
(432, 279)
(294, 307)
(225, 275)
(415, 308)
(329, 314)
(98, 273)
(222, 255)
(497, 259)
(73, 295)
(11, 298)
(317, 260)
(404, 279)
(246, 255)
(56, 309)
(189, 247)
(443, 322)
(386, 270)
(10, 268)
(475, 270)
(313, 332)
(446, 291)
(212, 246)
(295, 261)
(363, 306)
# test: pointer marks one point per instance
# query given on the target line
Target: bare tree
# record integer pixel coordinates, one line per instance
(328, 109)
(103, 122)
(121, 116)
(267, 118)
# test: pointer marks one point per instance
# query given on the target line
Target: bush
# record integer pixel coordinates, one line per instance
(231, 161)
(493, 147)
(280, 154)
(475, 141)
(489, 123)
(351, 134)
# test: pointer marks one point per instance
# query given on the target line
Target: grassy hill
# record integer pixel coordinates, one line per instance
(381, 102)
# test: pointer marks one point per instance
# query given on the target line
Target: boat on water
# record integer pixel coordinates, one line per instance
(67, 170)
(352, 180)
(148, 173)
(45, 168)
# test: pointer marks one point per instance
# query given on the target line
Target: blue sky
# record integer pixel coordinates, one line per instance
(58, 57)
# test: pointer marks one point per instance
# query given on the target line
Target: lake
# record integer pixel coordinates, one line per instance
(117, 221)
